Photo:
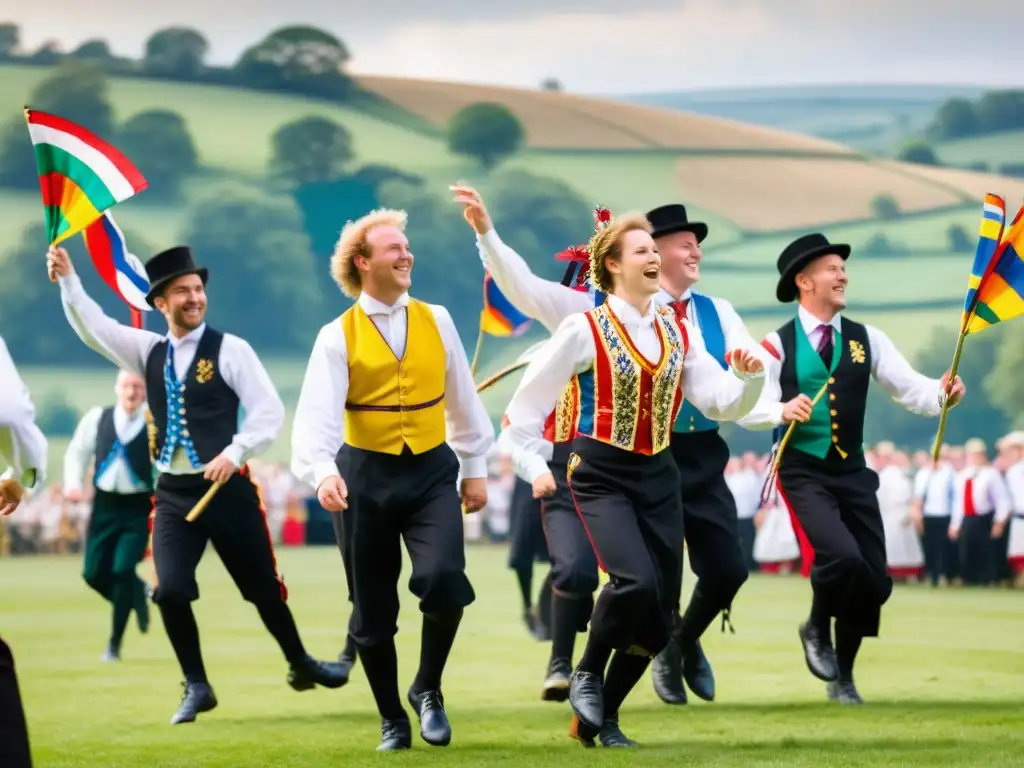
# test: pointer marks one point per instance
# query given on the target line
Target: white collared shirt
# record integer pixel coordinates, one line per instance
(117, 477)
(238, 364)
(715, 392)
(318, 431)
(935, 489)
(913, 390)
(988, 494)
(1015, 486)
(22, 444)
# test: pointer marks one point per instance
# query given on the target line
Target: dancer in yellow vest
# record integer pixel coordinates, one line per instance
(384, 383)
(631, 364)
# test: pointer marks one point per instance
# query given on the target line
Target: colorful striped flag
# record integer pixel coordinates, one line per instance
(80, 175)
(990, 232)
(999, 295)
(119, 268)
(499, 317)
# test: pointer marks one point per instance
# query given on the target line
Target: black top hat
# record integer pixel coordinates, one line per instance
(169, 265)
(669, 219)
(797, 255)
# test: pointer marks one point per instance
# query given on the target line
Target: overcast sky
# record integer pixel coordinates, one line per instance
(594, 46)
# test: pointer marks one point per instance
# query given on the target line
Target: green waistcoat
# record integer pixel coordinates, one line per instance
(815, 436)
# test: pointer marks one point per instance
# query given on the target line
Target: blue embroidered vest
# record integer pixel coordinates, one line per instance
(710, 325)
(135, 454)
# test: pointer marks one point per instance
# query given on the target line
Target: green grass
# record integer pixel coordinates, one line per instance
(995, 149)
(943, 683)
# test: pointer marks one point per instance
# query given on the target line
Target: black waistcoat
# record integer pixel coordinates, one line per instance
(846, 396)
(209, 405)
(136, 451)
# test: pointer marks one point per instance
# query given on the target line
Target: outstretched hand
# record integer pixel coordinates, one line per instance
(954, 392)
(58, 263)
(474, 210)
(745, 361)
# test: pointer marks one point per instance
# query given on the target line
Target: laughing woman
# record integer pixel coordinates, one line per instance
(630, 365)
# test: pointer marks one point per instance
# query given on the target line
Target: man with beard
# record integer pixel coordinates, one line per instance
(711, 525)
(197, 378)
(115, 542)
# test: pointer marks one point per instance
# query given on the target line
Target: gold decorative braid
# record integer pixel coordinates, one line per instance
(151, 432)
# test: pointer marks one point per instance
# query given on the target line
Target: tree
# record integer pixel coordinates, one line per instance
(1000, 111)
(959, 241)
(159, 142)
(885, 207)
(551, 84)
(485, 131)
(178, 52)
(264, 282)
(299, 58)
(955, 119)
(1004, 385)
(26, 296)
(311, 150)
(10, 39)
(918, 152)
(92, 50)
(78, 92)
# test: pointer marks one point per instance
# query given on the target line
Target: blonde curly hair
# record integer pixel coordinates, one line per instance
(607, 244)
(352, 243)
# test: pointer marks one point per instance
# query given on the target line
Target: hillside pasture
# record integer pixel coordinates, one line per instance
(994, 149)
(973, 183)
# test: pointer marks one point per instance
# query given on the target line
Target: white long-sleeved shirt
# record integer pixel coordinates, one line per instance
(989, 494)
(913, 390)
(1015, 486)
(935, 488)
(238, 363)
(117, 477)
(715, 392)
(318, 431)
(22, 444)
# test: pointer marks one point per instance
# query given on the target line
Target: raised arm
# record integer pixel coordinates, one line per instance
(470, 431)
(22, 443)
(318, 430)
(80, 451)
(545, 300)
(720, 395)
(264, 412)
(124, 346)
(913, 390)
(570, 350)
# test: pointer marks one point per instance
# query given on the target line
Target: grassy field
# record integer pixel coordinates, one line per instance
(994, 149)
(943, 684)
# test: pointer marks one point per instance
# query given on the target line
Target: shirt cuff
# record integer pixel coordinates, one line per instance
(233, 453)
(473, 467)
(774, 411)
(69, 283)
(323, 471)
(535, 466)
(489, 240)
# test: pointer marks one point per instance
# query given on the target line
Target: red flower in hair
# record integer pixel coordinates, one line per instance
(602, 215)
(573, 253)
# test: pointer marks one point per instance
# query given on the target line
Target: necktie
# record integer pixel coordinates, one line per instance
(969, 497)
(825, 347)
(679, 307)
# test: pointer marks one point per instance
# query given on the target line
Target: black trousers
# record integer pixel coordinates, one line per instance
(940, 554)
(527, 545)
(234, 522)
(977, 550)
(836, 503)
(14, 744)
(1001, 555)
(573, 562)
(630, 508)
(390, 499)
(711, 523)
(748, 532)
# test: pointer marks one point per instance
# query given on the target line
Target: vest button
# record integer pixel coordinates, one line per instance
(835, 439)
(832, 380)
(831, 396)
(834, 425)
(834, 412)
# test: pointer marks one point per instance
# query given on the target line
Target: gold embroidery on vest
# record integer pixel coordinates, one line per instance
(204, 371)
(857, 351)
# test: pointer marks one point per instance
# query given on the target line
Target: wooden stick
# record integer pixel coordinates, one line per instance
(476, 353)
(937, 446)
(774, 469)
(200, 506)
(492, 380)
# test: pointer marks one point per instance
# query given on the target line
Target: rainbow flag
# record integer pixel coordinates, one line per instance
(990, 232)
(499, 317)
(119, 268)
(999, 295)
(80, 175)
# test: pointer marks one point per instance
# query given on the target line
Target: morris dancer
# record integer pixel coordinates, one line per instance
(712, 526)
(23, 455)
(629, 362)
(822, 474)
(196, 380)
(115, 438)
(369, 436)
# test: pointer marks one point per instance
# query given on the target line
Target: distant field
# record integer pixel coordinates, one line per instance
(995, 149)
(973, 183)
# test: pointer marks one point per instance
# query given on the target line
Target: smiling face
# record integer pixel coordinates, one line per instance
(387, 269)
(680, 260)
(823, 283)
(636, 270)
(183, 302)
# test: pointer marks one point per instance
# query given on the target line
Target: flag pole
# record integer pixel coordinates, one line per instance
(949, 386)
(137, 321)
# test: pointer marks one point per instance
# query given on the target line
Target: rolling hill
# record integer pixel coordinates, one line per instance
(757, 187)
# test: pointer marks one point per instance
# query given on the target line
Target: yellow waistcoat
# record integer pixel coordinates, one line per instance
(393, 403)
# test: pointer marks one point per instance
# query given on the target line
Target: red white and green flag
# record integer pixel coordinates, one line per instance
(80, 174)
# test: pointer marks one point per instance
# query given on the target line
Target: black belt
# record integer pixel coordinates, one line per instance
(393, 408)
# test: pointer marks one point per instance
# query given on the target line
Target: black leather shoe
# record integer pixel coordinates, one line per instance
(434, 726)
(346, 663)
(612, 736)
(697, 672)
(395, 735)
(667, 675)
(307, 674)
(586, 697)
(844, 692)
(196, 698)
(819, 653)
(556, 684)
